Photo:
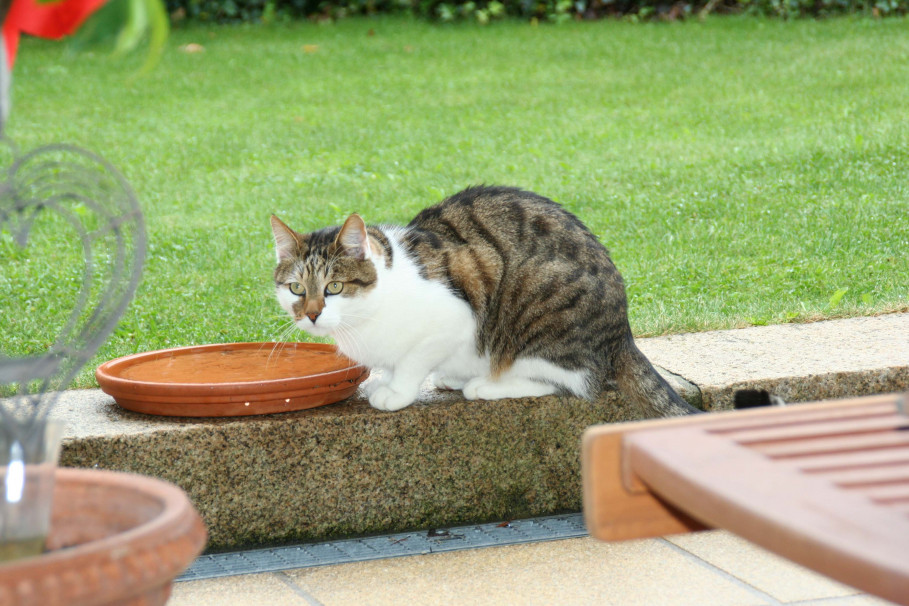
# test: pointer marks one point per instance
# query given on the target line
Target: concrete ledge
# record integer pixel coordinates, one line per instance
(798, 362)
(347, 469)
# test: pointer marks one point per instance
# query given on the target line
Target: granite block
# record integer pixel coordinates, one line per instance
(826, 386)
(798, 362)
(347, 469)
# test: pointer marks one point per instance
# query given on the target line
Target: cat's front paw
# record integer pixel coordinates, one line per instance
(386, 398)
(476, 389)
(370, 386)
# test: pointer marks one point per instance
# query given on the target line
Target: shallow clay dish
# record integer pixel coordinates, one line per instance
(231, 379)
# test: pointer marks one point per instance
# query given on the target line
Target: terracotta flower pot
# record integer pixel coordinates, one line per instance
(115, 538)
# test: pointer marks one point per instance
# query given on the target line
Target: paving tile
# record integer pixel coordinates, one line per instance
(259, 589)
(573, 571)
(772, 574)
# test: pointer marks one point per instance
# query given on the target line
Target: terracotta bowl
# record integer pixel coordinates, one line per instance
(231, 379)
(115, 538)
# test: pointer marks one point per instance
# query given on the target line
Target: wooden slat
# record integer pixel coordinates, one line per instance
(868, 476)
(799, 516)
(802, 414)
(852, 460)
(819, 429)
(836, 445)
(896, 493)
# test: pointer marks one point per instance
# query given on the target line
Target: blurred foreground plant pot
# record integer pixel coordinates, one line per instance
(115, 538)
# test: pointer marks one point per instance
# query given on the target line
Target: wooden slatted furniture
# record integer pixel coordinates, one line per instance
(825, 484)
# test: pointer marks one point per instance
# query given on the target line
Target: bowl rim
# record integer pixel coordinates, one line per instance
(113, 383)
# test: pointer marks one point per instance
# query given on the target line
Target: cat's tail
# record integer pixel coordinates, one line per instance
(643, 385)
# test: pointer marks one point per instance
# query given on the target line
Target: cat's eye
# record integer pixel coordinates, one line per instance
(297, 289)
(334, 288)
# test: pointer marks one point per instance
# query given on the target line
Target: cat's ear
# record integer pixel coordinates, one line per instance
(353, 238)
(287, 241)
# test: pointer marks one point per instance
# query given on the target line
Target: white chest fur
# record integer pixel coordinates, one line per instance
(404, 313)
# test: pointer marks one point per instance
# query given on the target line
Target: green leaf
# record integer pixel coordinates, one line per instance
(102, 27)
(837, 297)
(133, 30)
(159, 29)
(123, 25)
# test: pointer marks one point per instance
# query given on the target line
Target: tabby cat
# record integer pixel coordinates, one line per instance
(495, 291)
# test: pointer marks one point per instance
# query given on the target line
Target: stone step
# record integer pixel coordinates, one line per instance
(347, 469)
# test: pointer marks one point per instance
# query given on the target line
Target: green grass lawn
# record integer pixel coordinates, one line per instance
(741, 171)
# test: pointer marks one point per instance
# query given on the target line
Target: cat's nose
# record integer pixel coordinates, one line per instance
(313, 316)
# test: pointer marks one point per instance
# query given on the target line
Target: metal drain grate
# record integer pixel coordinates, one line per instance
(386, 546)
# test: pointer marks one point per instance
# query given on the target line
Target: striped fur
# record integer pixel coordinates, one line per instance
(546, 307)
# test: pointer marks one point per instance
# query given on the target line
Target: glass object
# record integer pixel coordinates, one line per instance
(28, 455)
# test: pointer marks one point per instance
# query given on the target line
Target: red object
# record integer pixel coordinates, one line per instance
(44, 20)
(231, 379)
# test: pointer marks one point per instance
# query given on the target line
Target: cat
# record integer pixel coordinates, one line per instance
(495, 291)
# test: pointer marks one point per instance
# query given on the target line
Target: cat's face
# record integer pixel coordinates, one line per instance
(323, 279)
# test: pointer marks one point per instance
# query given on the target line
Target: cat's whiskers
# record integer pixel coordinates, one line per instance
(283, 332)
(281, 340)
(348, 338)
(277, 346)
(343, 338)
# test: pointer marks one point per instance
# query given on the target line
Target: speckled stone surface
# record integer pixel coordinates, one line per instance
(798, 362)
(347, 469)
